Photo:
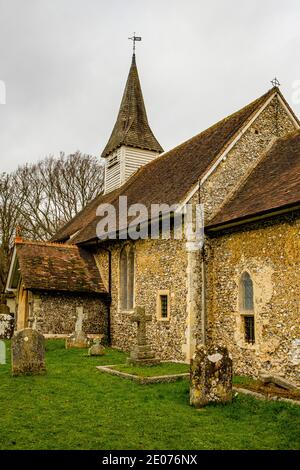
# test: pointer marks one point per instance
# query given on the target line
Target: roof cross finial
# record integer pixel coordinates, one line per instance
(275, 82)
(134, 39)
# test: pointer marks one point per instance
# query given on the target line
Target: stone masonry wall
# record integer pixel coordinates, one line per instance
(160, 265)
(270, 253)
(163, 264)
(55, 313)
(272, 123)
(222, 183)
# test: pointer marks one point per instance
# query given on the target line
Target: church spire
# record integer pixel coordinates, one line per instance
(132, 128)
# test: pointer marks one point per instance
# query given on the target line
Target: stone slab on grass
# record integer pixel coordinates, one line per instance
(140, 379)
(279, 381)
(261, 396)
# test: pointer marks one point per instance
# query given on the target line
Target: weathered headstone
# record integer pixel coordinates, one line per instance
(97, 349)
(142, 353)
(6, 322)
(2, 353)
(78, 339)
(28, 352)
(211, 376)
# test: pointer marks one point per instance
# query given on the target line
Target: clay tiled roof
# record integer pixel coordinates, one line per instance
(273, 185)
(58, 267)
(84, 217)
(170, 177)
(132, 127)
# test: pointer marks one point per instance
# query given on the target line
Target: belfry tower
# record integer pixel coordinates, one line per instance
(132, 143)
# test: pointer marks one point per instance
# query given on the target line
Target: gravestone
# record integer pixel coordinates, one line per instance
(6, 322)
(211, 376)
(2, 353)
(142, 353)
(78, 339)
(97, 349)
(28, 352)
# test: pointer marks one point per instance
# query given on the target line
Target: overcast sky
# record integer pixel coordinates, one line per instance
(65, 63)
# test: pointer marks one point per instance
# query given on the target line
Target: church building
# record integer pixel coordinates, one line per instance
(240, 289)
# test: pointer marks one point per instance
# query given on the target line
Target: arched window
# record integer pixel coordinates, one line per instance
(247, 292)
(247, 307)
(127, 269)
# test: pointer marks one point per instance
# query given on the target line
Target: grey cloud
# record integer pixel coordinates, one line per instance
(65, 63)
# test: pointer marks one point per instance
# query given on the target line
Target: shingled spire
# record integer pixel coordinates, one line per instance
(132, 143)
(132, 127)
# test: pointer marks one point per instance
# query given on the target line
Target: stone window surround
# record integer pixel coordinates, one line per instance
(158, 305)
(247, 313)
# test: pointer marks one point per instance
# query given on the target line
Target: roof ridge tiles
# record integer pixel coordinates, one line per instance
(23, 241)
(171, 176)
(273, 184)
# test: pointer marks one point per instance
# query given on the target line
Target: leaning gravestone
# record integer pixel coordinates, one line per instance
(142, 353)
(78, 339)
(28, 352)
(211, 376)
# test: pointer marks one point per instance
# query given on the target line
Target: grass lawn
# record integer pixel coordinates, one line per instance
(166, 368)
(75, 406)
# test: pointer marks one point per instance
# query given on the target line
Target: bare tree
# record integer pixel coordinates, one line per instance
(55, 190)
(43, 196)
(10, 202)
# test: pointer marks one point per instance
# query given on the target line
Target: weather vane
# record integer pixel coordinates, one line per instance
(275, 82)
(134, 39)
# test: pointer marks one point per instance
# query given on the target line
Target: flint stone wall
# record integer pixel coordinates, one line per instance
(6, 326)
(273, 122)
(160, 265)
(56, 313)
(6, 322)
(166, 265)
(270, 253)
